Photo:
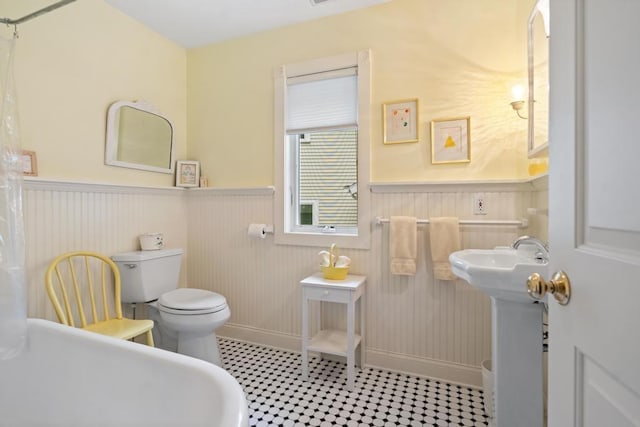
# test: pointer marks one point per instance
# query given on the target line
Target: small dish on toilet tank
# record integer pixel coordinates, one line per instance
(151, 241)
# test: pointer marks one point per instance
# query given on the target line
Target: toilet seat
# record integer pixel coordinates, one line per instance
(190, 301)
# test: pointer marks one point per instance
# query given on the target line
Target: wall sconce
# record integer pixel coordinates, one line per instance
(517, 94)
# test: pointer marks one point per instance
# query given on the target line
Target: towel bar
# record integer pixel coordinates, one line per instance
(520, 223)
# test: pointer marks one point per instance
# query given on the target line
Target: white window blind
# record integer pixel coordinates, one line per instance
(322, 101)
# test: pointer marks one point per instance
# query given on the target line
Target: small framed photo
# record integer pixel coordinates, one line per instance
(450, 140)
(400, 121)
(187, 173)
(29, 163)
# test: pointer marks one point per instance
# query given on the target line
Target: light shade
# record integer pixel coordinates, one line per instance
(517, 93)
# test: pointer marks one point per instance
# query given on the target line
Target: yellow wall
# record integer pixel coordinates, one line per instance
(70, 65)
(457, 57)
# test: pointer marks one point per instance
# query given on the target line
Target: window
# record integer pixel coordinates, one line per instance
(322, 111)
(324, 169)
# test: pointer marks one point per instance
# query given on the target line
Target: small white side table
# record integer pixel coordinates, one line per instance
(332, 341)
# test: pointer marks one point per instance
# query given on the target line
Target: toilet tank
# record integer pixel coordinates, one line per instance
(146, 275)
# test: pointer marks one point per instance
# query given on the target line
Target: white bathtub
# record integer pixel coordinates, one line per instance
(69, 377)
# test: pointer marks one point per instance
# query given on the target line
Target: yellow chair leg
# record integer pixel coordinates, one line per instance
(150, 339)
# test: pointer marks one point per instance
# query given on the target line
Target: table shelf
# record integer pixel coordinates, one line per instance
(332, 341)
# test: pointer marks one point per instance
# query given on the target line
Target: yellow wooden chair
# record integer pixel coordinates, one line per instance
(74, 275)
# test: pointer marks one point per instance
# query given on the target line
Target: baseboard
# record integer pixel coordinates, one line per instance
(469, 376)
(260, 336)
(452, 373)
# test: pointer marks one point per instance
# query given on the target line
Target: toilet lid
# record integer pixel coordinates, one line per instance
(192, 299)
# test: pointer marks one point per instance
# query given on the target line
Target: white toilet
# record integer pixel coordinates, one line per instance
(188, 318)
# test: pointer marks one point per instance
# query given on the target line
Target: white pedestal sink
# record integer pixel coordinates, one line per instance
(516, 329)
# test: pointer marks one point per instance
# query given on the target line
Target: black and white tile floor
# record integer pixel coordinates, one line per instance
(278, 397)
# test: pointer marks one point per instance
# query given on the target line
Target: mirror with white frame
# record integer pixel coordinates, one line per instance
(138, 137)
(538, 70)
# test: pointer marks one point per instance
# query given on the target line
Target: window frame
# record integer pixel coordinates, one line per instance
(284, 233)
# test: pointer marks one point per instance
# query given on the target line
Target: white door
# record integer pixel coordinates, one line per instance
(594, 201)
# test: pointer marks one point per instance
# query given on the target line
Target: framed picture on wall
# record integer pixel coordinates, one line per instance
(450, 140)
(400, 121)
(187, 173)
(29, 163)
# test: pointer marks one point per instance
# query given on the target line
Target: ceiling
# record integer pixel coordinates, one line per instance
(194, 23)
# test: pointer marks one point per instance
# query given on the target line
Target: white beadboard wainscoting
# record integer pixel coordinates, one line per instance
(69, 216)
(414, 324)
(539, 211)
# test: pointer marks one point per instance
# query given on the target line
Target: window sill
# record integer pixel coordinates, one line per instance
(323, 240)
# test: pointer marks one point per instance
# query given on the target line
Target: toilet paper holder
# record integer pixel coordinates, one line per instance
(260, 230)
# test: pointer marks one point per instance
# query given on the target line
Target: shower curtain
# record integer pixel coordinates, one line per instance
(13, 301)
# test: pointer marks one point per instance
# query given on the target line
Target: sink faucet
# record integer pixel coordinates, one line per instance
(542, 255)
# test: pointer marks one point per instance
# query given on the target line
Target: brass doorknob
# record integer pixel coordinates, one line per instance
(559, 286)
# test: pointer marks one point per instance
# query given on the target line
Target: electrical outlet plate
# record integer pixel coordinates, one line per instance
(479, 204)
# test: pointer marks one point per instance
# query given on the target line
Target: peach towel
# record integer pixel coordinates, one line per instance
(444, 235)
(403, 245)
